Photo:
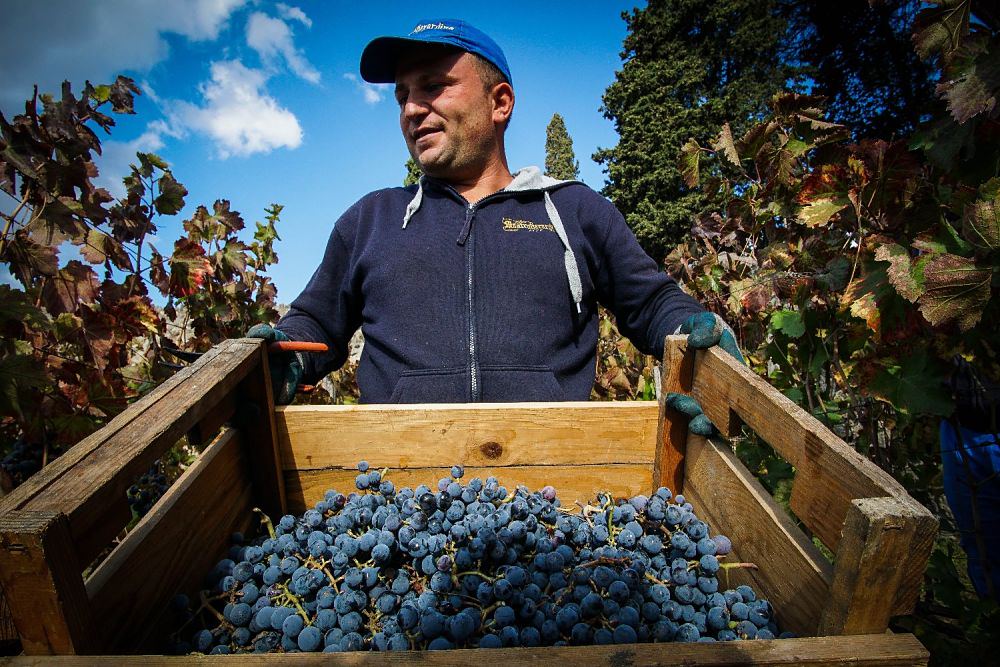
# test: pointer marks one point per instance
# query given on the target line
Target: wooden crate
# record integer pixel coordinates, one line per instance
(283, 459)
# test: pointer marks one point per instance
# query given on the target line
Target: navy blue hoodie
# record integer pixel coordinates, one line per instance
(496, 301)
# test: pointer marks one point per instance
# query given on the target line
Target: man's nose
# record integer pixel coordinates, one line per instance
(414, 108)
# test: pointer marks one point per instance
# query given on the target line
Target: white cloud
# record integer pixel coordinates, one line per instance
(294, 14)
(373, 93)
(238, 114)
(95, 40)
(271, 37)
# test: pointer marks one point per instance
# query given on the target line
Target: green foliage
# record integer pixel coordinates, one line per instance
(413, 172)
(81, 337)
(560, 161)
(688, 66)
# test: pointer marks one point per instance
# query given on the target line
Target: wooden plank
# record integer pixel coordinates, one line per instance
(573, 482)
(41, 579)
(881, 650)
(880, 565)
(671, 427)
(260, 437)
(829, 473)
(792, 573)
(114, 456)
(174, 545)
(484, 434)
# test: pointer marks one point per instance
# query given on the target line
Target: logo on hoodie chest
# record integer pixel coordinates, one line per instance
(512, 225)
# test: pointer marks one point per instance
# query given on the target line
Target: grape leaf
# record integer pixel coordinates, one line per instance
(955, 289)
(974, 91)
(981, 224)
(726, 145)
(74, 285)
(941, 28)
(819, 212)
(899, 271)
(171, 197)
(189, 267)
(690, 156)
(17, 373)
(915, 386)
(789, 322)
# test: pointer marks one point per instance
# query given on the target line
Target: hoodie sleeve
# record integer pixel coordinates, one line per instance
(647, 303)
(328, 310)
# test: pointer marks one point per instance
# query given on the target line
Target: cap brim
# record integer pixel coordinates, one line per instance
(378, 60)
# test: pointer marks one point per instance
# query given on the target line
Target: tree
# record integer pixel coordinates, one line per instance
(688, 66)
(413, 172)
(859, 56)
(560, 161)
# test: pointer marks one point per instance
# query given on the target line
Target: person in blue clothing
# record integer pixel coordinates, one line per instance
(478, 283)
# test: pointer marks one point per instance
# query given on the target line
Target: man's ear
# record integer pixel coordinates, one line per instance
(503, 102)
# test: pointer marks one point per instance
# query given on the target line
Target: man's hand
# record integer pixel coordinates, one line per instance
(704, 330)
(286, 370)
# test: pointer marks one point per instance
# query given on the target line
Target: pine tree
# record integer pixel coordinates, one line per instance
(689, 66)
(560, 161)
(412, 172)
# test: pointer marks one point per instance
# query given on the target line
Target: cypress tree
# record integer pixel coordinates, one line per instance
(560, 161)
(688, 67)
(412, 172)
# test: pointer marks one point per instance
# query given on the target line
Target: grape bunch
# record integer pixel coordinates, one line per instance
(150, 486)
(471, 565)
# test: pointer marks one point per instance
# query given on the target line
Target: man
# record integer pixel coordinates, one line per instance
(477, 284)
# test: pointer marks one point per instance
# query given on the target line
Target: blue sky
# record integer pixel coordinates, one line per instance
(260, 102)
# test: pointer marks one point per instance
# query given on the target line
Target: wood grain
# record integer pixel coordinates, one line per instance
(255, 418)
(173, 546)
(41, 580)
(480, 435)
(829, 473)
(879, 566)
(671, 426)
(94, 479)
(792, 573)
(579, 482)
(881, 650)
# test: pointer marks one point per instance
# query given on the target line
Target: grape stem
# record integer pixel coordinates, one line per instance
(266, 521)
(295, 600)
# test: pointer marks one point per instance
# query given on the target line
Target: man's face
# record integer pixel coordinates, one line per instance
(446, 114)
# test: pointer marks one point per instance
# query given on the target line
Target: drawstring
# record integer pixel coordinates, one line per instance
(414, 204)
(569, 259)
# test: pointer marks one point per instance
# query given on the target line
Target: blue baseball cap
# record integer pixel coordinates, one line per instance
(378, 60)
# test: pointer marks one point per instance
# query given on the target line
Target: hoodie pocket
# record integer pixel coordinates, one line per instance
(433, 385)
(505, 384)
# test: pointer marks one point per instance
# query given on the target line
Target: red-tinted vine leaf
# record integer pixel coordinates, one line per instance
(940, 29)
(690, 157)
(121, 96)
(171, 197)
(974, 91)
(915, 386)
(726, 145)
(981, 224)
(818, 212)
(955, 289)
(189, 268)
(899, 270)
(28, 259)
(158, 272)
(73, 285)
(97, 247)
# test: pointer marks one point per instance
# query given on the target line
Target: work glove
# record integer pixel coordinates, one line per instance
(286, 367)
(704, 330)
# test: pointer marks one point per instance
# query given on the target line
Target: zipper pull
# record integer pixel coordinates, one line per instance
(470, 213)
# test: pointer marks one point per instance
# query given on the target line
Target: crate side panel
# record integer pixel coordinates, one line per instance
(486, 435)
(572, 483)
(791, 573)
(172, 548)
(882, 650)
(829, 473)
(101, 479)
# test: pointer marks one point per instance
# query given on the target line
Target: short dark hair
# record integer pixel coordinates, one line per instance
(490, 75)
